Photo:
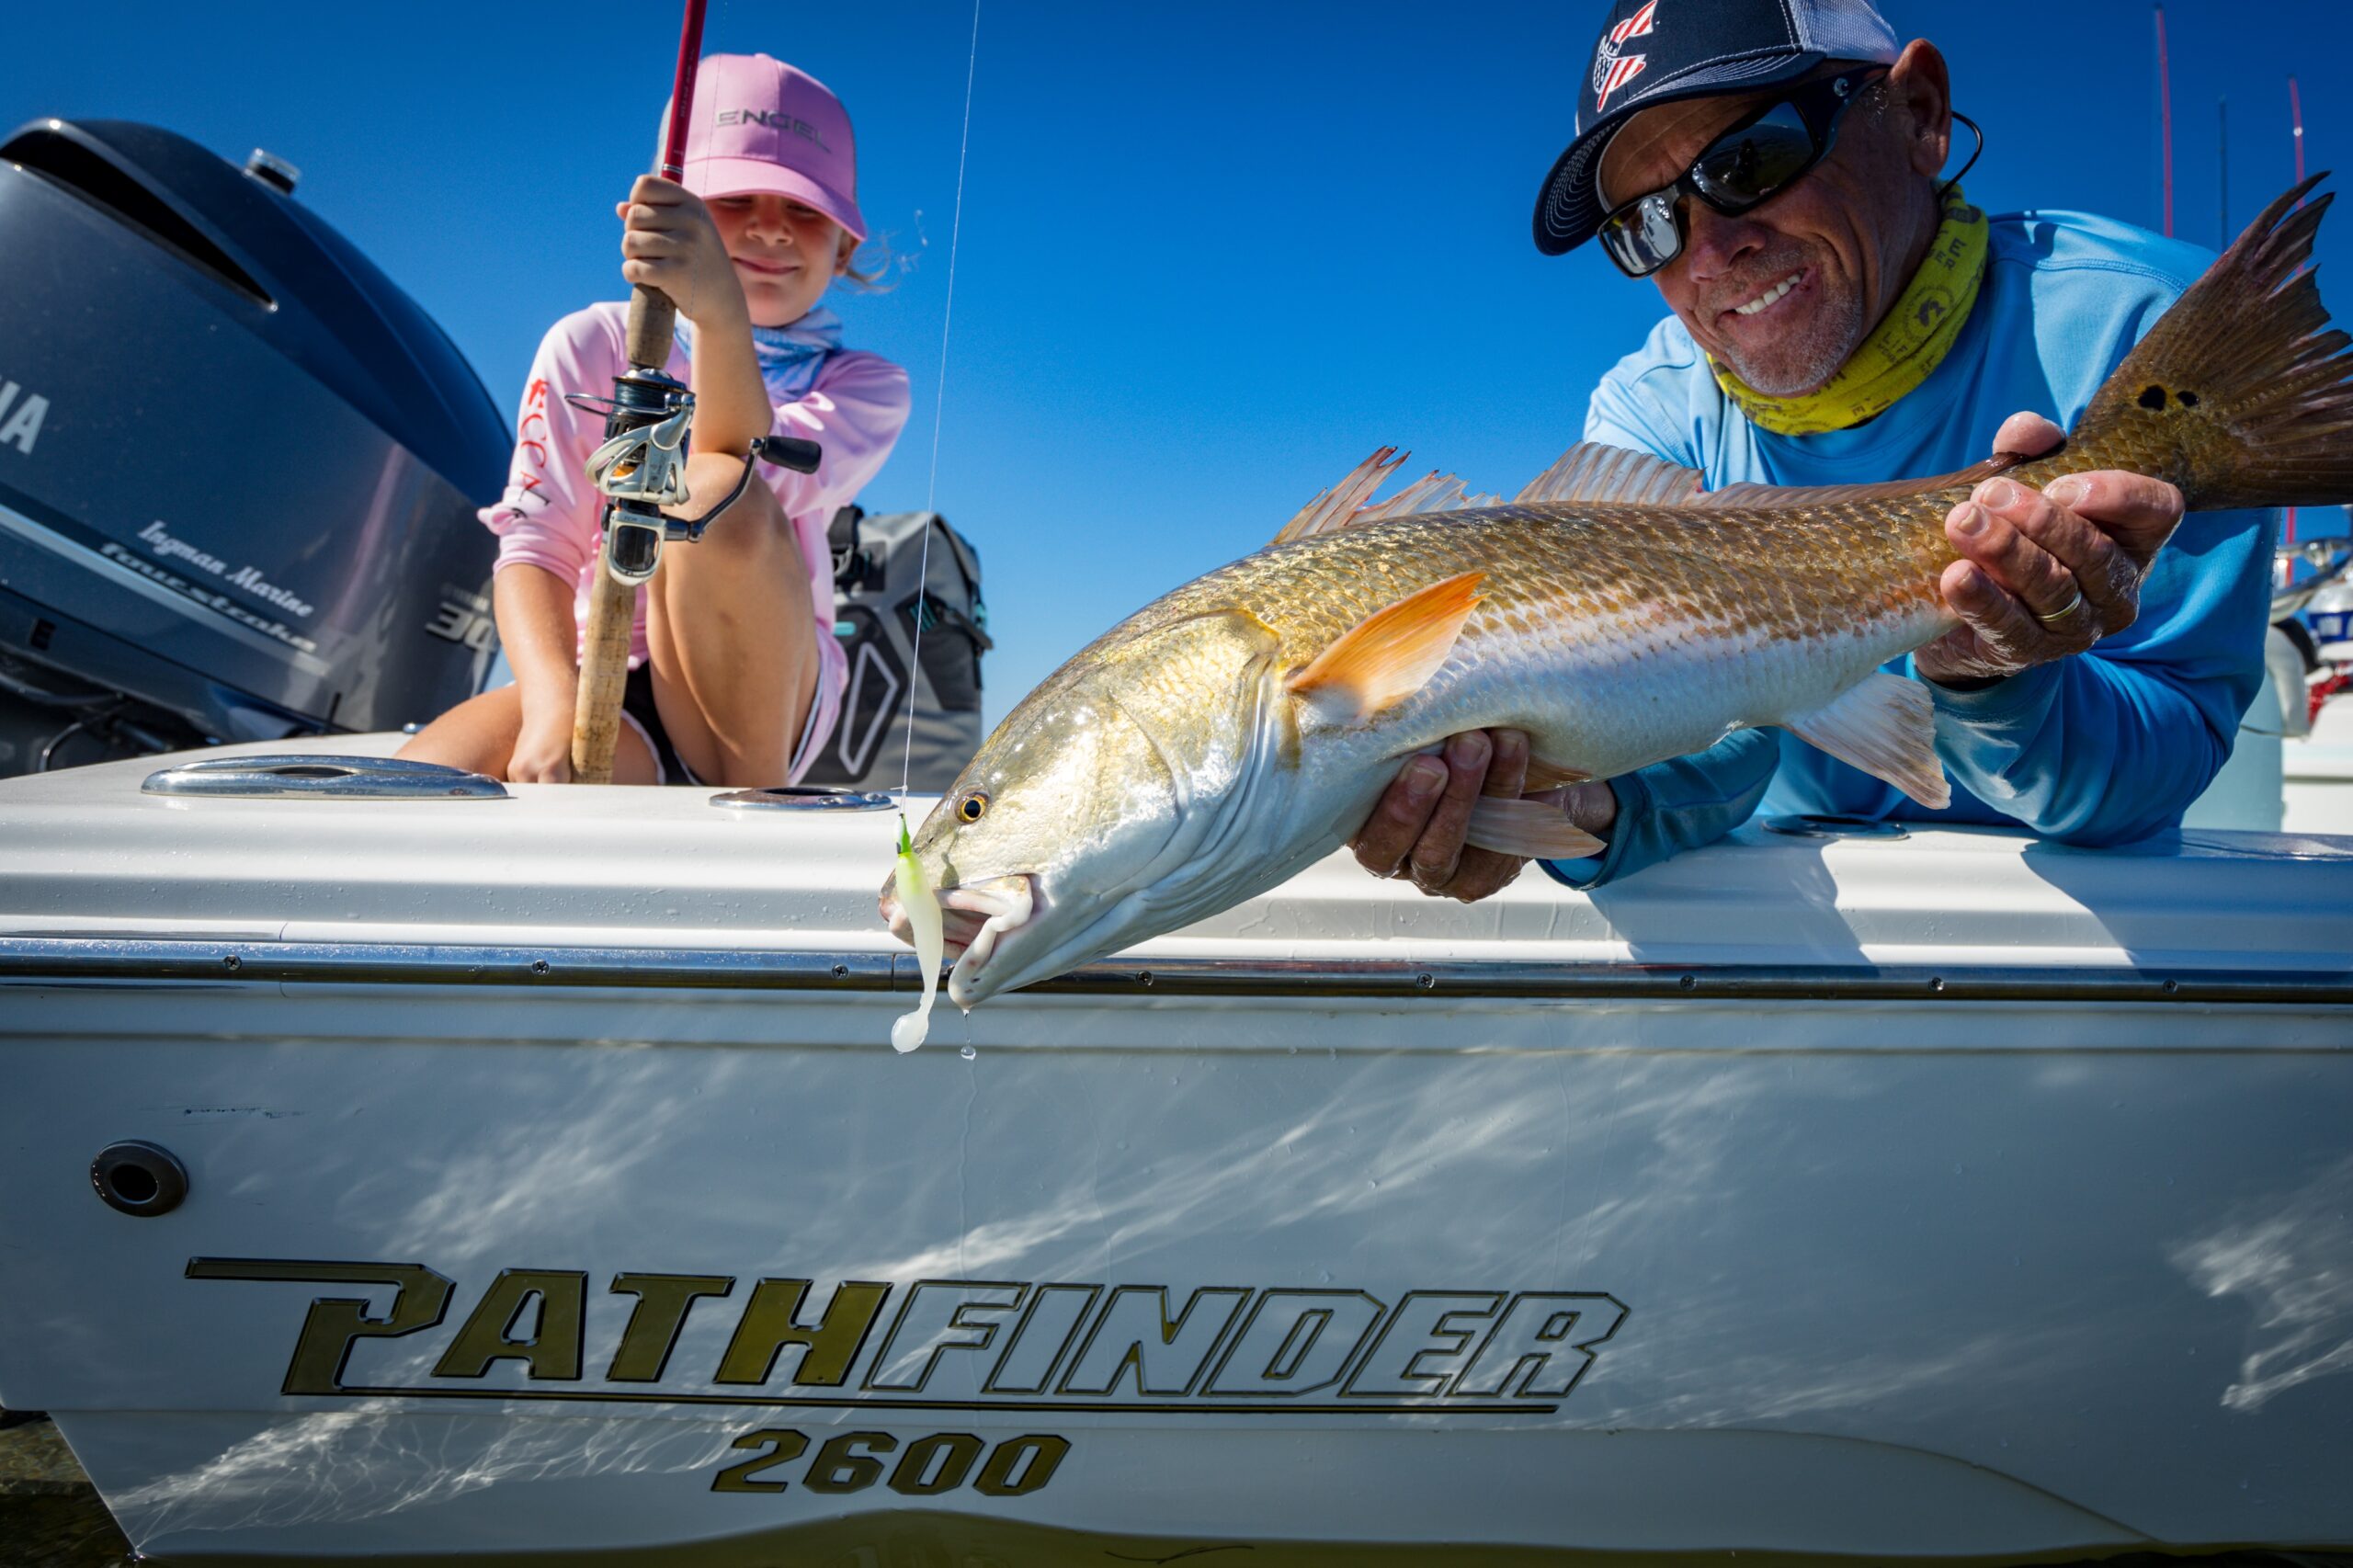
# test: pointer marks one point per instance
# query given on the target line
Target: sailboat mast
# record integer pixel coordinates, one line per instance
(2165, 117)
(2296, 123)
(2223, 175)
(2296, 136)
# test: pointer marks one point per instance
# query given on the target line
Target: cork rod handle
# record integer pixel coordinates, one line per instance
(604, 671)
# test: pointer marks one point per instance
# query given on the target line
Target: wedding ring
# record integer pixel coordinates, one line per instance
(2075, 602)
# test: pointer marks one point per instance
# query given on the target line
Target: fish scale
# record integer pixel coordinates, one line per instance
(1619, 601)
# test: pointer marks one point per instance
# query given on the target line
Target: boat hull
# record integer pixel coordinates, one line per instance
(1994, 1260)
(1953, 1198)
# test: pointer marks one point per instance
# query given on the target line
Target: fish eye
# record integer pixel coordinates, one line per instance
(972, 807)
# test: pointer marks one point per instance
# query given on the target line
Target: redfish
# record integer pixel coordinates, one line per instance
(1241, 727)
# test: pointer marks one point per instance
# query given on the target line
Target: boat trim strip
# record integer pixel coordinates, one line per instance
(35, 958)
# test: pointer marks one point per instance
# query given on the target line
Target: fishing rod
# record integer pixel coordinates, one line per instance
(642, 468)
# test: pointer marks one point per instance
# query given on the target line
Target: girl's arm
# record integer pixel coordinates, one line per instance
(670, 244)
(546, 523)
(535, 623)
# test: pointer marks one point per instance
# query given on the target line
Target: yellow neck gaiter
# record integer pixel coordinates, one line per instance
(1901, 352)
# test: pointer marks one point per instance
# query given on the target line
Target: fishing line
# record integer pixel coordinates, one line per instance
(940, 401)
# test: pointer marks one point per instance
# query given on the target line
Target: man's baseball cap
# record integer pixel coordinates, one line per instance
(1656, 52)
(760, 126)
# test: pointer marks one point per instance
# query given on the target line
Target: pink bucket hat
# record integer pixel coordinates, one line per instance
(759, 125)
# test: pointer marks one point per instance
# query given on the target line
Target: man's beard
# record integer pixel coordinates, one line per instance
(1803, 357)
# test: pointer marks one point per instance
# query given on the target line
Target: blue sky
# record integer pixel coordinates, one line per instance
(1212, 254)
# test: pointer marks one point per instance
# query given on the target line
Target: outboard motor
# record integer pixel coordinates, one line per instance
(238, 466)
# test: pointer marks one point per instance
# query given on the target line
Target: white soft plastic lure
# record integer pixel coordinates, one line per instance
(931, 945)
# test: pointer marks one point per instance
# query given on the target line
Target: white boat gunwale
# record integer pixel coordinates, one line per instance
(31, 959)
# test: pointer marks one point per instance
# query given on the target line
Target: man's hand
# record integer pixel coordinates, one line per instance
(2043, 576)
(1416, 827)
(669, 243)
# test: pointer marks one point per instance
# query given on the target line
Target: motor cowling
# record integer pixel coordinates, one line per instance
(238, 465)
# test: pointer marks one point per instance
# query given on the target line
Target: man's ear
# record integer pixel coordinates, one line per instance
(1921, 85)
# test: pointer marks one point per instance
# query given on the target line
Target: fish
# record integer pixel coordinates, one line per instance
(1241, 727)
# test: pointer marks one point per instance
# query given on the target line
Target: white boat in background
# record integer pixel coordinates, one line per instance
(523, 1175)
(2316, 774)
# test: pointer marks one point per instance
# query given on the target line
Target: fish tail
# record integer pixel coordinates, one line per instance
(2238, 395)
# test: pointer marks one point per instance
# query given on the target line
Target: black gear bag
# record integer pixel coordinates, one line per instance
(878, 599)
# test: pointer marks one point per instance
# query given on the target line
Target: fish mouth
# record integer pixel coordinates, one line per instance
(958, 927)
(974, 916)
(1004, 906)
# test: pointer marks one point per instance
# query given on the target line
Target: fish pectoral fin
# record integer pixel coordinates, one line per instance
(1887, 727)
(1386, 657)
(1596, 471)
(1545, 774)
(1537, 830)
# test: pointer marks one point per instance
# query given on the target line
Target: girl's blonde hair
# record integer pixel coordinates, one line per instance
(867, 277)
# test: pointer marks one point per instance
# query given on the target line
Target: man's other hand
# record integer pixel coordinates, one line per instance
(2044, 574)
(1416, 827)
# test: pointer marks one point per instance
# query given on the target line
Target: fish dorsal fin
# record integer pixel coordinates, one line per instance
(1534, 830)
(1594, 471)
(1434, 492)
(1336, 507)
(1833, 494)
(1887, 727)
(1345, 505)
(1387, 656)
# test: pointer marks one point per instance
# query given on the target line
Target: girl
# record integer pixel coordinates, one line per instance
(735, 677)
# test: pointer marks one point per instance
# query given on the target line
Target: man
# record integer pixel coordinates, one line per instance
(1842, 316)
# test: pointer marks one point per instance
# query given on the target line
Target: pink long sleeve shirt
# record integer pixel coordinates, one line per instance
(548, 517)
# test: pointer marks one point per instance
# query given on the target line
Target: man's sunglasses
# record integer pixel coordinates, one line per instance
(1750, 164)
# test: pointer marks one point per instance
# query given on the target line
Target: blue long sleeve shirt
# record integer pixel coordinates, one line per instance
(2102, 748)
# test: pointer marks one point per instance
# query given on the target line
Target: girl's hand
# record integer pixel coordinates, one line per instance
(542, 749)
(669, 243)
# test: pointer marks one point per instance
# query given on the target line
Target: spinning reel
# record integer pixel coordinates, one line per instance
(642, 468)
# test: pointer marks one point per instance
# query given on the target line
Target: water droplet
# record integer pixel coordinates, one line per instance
(968, 1053)
(1373, 1182)
(1323, 1277)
